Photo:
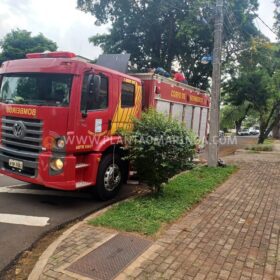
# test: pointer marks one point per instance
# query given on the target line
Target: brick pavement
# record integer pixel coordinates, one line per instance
(83, 240)
(232, 234)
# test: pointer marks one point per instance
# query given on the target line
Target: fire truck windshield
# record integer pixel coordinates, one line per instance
(36, 89)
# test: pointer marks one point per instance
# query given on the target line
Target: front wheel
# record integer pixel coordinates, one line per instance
(110, 177)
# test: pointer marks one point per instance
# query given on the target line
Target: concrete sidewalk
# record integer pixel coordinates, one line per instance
(232, 234)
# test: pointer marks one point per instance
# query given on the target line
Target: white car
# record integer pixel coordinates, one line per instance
(254, 131)
(244, 132)
(221, 133)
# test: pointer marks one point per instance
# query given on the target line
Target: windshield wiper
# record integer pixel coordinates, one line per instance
(8, 101)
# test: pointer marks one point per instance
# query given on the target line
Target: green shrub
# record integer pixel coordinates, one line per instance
(261, 148)
(159, 148)
(269, 141)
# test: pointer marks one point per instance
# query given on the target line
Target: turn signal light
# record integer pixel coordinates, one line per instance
(60, 143)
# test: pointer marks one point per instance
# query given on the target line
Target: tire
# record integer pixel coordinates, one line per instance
(107, 183)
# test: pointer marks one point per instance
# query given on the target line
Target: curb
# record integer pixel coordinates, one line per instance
(244, 151)
(43, 259)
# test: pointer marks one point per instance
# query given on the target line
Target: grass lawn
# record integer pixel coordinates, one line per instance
(148, 214)
(269, 141)
(261, 148)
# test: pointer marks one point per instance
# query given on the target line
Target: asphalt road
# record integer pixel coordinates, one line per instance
(27, 212)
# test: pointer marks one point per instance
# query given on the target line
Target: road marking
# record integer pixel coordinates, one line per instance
(16, 190)
(24, 220)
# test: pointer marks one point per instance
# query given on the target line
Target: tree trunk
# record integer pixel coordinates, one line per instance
(238, 125)
(276, 132)
(268, 126)
(239, 122)
(261, 138)
(262, 130)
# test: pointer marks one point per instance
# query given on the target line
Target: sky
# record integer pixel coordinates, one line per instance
(60, 21)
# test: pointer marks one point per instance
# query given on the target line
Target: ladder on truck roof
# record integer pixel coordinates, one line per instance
(151, 76)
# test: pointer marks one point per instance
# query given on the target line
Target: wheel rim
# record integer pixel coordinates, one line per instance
(112, 177)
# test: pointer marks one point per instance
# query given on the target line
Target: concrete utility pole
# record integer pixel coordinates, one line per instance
(216, 87)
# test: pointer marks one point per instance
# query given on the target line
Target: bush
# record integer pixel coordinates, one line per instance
(261, 148)
(159, 148)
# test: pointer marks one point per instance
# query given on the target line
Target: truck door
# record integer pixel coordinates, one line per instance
(129, 105)
(95, 110)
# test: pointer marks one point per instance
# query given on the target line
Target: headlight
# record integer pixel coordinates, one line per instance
(60, 143)
(57, 164)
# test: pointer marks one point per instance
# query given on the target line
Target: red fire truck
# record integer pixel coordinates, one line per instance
(59, 116)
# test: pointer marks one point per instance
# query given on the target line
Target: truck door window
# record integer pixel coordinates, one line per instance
(128, 95)
(95, 102)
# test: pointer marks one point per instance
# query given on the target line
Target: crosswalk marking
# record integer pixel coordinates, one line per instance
(18, 189)
(24, 220)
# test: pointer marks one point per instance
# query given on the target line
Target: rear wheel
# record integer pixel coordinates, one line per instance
(110, 177)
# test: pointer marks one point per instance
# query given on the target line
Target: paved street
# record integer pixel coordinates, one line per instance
(28, 211)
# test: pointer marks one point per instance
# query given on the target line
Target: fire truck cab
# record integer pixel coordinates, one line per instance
(59, 116)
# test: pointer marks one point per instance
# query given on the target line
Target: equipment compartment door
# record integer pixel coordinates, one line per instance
(203, 124)
(129, 105)
(196, 120)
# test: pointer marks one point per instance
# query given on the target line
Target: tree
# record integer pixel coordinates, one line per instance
(17, 43)
(255, 88)
(255, 81)
(233, 116)
(159, 32)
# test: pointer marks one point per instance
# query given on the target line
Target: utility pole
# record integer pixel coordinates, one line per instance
(213, 144)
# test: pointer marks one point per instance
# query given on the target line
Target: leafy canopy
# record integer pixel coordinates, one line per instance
(256, 83)
(159, 32)
(17, 43)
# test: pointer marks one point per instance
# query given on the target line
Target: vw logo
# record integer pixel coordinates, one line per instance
(19, 130)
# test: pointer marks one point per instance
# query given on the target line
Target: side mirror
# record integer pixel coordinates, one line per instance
(93, 91)
(89, 87)
(96, 86)
(90, 84)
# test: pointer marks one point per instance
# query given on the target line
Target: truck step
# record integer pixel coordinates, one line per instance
(82, 185)
(81, 165)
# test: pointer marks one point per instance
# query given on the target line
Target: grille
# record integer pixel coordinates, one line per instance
(25, 149)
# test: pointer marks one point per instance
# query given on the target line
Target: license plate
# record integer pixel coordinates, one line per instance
(16, 163)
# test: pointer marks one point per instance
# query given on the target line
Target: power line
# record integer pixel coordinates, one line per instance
(234, 22)
(266, 24)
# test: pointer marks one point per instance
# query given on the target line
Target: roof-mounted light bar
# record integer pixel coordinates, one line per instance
(51, 55)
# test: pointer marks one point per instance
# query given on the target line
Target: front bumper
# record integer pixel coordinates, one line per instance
(68, 179)
(42, 175)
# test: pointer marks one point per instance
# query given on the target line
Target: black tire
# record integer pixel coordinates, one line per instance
(108, 186)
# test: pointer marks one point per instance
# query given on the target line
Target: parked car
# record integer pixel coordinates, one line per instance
(221, 133)
(254, 131)
(244, 132)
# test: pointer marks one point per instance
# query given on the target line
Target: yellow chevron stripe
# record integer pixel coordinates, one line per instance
(123, 116)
